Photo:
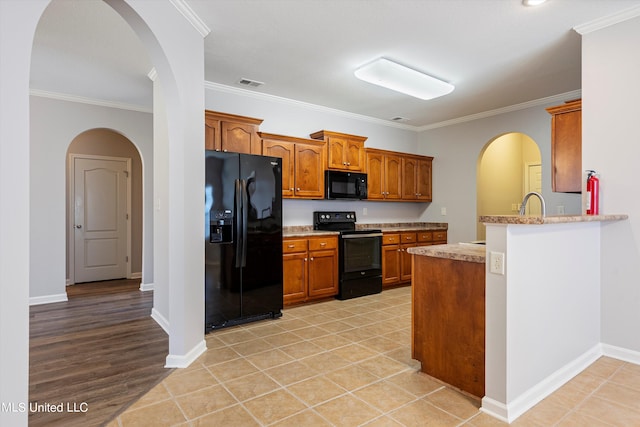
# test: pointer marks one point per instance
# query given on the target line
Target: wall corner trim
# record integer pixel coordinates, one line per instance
(178, 361)
(192, 17)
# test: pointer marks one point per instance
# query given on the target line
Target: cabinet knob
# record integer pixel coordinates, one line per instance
(298, 189)
(323, 243)
(344, 163)
(291, 246)
(398, 250)
(291, 189)
(311, 258)
(305, 260)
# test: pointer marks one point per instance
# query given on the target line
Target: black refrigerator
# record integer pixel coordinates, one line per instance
(243, 238)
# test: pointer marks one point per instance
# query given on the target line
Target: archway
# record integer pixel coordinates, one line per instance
(110, 144)
(508, 167)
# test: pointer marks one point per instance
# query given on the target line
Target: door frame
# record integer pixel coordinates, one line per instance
(71, 244)
(526, 181)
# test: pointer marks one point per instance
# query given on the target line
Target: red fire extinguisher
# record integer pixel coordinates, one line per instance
(593, 193)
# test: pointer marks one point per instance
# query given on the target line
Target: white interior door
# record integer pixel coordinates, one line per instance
(100, 218)
(534, 183)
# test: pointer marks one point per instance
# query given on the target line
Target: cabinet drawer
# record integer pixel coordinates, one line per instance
(408, 237)
(294, 245)
(440, 236)
(319, 243)
(390, 239)
(425, 236)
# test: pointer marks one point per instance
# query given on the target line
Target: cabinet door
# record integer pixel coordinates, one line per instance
(353, 153)
(239, 138)
(392, 177)
(211, 134)
(294, 277)
(405, 262)
(390, 265)
(285, 151)
(323, 273)
(409, 170)
(337, 148)
(423, 180)
(309, 171)
(566, 152)
(375, 179)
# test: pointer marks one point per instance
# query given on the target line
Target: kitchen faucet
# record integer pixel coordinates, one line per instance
(523, 206)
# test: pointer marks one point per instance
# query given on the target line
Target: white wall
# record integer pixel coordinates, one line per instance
(54, 124)
(18, 21)
(611, 145)
(297, 119)
(456, 149)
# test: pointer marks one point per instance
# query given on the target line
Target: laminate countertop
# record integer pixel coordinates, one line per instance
(308, 231)
(555, 219)
(469, 252)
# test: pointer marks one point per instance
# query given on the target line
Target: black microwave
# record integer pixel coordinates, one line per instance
(345, 185)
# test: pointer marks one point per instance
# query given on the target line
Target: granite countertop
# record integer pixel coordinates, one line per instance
(308, 231)
(457, 251)
(559, 219)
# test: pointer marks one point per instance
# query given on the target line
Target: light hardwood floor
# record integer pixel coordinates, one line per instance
(97, 353)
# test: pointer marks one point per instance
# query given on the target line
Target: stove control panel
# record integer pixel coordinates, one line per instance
(322, 220)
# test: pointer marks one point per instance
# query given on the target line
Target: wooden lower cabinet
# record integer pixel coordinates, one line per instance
(309, 268)
(396, 261)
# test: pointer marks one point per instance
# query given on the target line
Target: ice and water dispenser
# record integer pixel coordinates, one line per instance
(221, 226)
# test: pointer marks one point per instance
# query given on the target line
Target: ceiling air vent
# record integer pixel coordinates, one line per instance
(399, 119)
(251, 83)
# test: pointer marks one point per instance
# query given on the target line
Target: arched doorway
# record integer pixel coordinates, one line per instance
(508, 167)
(109, 146)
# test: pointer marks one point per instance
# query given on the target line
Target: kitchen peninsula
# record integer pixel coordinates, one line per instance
(448, 314)
(542, 309)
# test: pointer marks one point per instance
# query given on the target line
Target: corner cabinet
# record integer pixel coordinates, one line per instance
(344, 151)
(309, 268)
(303, 164)
(566, 147)
(232, 133)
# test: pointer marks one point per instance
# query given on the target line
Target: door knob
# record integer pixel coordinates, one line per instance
(78, 226)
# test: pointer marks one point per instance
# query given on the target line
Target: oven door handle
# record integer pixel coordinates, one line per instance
(359, 236)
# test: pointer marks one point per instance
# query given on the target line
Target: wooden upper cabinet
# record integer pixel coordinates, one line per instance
(344, 151)
(232, 133)
(398, 176)
(416, 178)
(566, 147)
(303, 164)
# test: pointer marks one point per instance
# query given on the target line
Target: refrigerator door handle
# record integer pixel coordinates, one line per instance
(245, 220)
(238, 220)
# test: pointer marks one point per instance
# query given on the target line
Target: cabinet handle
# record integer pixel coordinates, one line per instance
(311, 258)
(224, 151)
(398, 250)
(344, 163)
(323, 243)
(298, 189)
(348, 163)
(291, 246)
(291, 189)
(305, 260)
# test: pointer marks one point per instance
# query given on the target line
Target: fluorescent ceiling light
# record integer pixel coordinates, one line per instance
(532, 2)
(385, 73)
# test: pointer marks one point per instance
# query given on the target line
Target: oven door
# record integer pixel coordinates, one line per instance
(360, 255)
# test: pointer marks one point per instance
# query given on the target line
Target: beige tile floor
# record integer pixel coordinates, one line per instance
(347, 363)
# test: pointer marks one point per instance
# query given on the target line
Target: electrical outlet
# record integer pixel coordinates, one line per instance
(443, 211)
(364, 211)
(496, 260)
(560, 210)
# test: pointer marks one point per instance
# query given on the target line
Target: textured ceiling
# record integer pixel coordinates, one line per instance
(497, 53)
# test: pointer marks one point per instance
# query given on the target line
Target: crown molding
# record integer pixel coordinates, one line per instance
(90, 101)
(152, 74)
(607, 21)
(534, 103)
(301, 104)
(191, 16)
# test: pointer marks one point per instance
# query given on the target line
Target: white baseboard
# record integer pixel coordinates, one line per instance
(177, 361)
(160, 320)
(527, 400)
(146, 287)
(48, 299)
(620, 353)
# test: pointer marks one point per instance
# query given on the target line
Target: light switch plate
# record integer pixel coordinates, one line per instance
(496, 262)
